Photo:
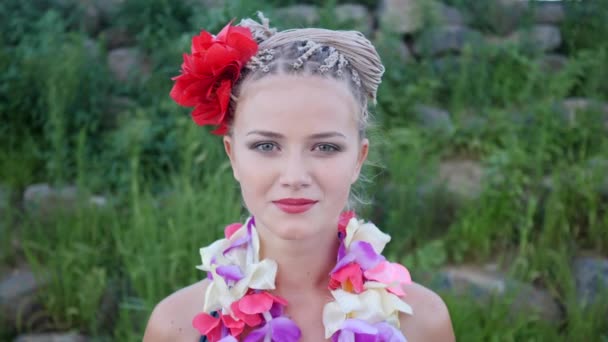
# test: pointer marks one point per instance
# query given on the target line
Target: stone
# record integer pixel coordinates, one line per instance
(462, 177)
(92, 50)
(91, 17)
(43, 199)
(116, 37)
(539, 37)
(392, 48)
(505, 16)
(126, 63)
(297, 15)
(357, 16)
(573, 107)
(108, 9)
(591, 278)
(553, 62)
(446, 39)
(52, 337)
(434, 118)
(548, 12)
(482, 283)
(401, 16)
(444, 15)
(5, 201)
(17, 295)
(116, 111)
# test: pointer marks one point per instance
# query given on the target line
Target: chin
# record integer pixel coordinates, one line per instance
(292, 230)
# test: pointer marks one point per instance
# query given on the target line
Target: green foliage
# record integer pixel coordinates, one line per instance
(543, 196)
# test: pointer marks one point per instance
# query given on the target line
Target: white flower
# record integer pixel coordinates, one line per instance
(368, 232)
(372, 305)
(257, 274)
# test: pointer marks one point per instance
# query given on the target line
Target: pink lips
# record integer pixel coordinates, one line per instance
(294, 205)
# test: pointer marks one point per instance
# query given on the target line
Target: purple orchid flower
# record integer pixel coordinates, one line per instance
(230, 273)
(279, 329)
(362, 253)
(356, 330)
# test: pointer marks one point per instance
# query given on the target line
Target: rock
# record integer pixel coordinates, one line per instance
(462, 177)
(17, 295)
(548, 12)
(401, 16)
(5, 196)
(115, 111)
(553, 62)
(356, 16)
(505, 16)
(52, 337)
(591, 278)
(108, 8)
(447, 64)
(299, 15)
(573, 107)
(125, 63)
(42, 199)
(92, 49)
(207, 3)
(539, 37)
(441, 40)
(90, 16)
(483, 283)
(434, 118)
(117, 37)
(444, 15)
(392, 48)
(109, 307)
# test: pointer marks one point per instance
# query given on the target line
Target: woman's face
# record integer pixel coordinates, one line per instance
(295, 150)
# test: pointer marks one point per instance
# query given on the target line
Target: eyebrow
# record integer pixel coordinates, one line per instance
(275, 135)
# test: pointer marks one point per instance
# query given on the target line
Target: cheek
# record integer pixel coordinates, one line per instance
(336, 175)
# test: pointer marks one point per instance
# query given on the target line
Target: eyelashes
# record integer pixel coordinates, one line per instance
(271, 146)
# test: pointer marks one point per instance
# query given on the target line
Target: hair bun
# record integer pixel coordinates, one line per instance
(261, 31)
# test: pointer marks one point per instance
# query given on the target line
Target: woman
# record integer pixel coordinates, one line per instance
(292, 109)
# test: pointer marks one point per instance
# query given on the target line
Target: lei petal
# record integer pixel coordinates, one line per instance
(366, 289)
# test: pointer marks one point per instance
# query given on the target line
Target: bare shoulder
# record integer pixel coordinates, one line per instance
(431, 319)
(171, 319)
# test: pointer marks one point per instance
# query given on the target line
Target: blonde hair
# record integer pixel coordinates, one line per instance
(344, 55)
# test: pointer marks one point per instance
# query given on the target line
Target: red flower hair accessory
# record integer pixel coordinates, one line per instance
(209, 73)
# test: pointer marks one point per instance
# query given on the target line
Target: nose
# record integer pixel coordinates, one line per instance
(295, 172)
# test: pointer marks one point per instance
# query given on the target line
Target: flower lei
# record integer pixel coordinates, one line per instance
(209, 73)
(366, 288)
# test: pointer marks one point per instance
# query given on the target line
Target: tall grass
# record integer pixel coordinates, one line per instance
(170, 191)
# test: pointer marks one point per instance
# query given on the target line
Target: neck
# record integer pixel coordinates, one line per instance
(303, 265)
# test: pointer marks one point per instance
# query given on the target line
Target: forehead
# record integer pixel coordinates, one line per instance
(296, 104)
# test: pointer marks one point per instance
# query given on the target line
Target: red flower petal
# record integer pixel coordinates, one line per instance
(236, 326)
(350, 275)
(343, 221)
(201, 42)
(251, 320)
(206, 114)
(209, 72)
(255, 303)
(231, 229)
(205, 323)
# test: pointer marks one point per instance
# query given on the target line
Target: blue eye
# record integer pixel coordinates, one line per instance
(327, 148)
(265, 147)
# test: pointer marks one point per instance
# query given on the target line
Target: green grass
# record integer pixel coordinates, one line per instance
(170, 191)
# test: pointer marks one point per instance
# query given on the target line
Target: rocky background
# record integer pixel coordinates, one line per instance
(493, 126)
